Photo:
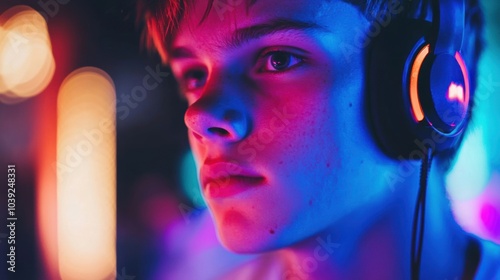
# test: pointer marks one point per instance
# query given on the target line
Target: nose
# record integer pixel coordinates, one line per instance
(218, 116)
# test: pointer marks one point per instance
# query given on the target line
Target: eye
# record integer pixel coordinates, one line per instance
(193, 80)
(279, 61)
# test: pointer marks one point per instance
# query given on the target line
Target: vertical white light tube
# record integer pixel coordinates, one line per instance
(86, 176)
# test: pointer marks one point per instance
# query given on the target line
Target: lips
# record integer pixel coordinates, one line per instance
(222, 179)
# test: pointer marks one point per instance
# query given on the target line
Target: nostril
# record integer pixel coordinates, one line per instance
(218, 131)
(197, 136)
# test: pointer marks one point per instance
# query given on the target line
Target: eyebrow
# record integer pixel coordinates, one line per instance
(243, 35)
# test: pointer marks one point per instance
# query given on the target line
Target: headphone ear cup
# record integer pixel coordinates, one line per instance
(390, 58)
(403, 125)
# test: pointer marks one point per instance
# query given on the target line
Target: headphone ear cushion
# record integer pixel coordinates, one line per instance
(389, 60)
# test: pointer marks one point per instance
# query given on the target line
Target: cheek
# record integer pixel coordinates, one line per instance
(302, 155)
(309, 155)
(297, 127)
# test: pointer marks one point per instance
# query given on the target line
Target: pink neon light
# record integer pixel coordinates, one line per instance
(456, 92)
(461, 62)
(490, 217)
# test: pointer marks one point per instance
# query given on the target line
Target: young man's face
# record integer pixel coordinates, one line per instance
(276, 117)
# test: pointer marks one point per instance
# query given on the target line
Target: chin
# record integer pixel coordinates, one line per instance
(244, 231)
(245, 240)
(244, 243)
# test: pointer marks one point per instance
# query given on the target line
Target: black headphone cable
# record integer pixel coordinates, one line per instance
(419, 217)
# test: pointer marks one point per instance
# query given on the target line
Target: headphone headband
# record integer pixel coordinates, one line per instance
(448, 18)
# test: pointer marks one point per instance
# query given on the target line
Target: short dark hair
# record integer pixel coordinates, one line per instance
(160, 21)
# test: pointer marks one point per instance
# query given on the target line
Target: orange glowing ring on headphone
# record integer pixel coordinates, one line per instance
(416, 107)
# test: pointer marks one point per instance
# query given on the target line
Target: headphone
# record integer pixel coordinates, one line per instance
(419, 87)
(419, 94)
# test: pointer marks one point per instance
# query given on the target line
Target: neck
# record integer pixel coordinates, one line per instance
(363, 246)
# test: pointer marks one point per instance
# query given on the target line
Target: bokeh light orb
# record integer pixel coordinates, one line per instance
(27, 64)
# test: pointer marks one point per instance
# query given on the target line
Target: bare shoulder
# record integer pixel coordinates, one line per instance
(489, 267)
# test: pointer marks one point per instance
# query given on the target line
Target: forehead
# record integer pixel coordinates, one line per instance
(227, 16)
